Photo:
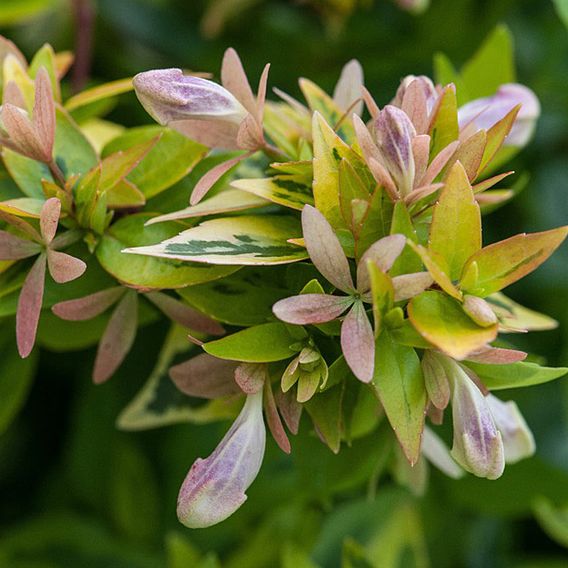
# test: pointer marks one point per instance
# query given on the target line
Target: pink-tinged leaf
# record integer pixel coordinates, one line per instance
(347, 92)
(421, 153)
(470, 153)
(422, 192)
(273, 418)
(89, 306)
(437, 164)
(185, 315)
(407, 286)
(479, 311)
(215, 487)
(22, 133)
(383, 253)
(382, 176)
(311, 308)
(64, 267)
(117, 338)
(325, 249)
(490, 182)
(435, 379)
(211, 133)
(29, 307)
(251, 377)
(205, 376)
(49, 219)
(250, 134)
(14, 248)
(234, 79)
(261, 95)
(497, 356)
(370, 103)
(365, 140)
(290, 410)
(13, 95)
(44, 111)
(358, 343)
(496, 136)
(212, 177)
(415, 105)
(500, 264)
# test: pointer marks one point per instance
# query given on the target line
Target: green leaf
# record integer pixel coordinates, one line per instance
(99, 93)
(73, 154)
(245, 240)
(491, 66)
(553, 519)
(442, 321)
(245, 298)
(445, 72)
(562, 9)
(259, 344)
(408, 261)
(445, 127)
(45, 57)
(515, 316)
(285, 190)
(16, 376)
(329, 150)
(171, 159)
(455, 233)
(325, 410)
(500, 264)
(17, 11)
(159, 402)
(145, 271)
(496, 137)
(400, 385)
(382, 293)
(515, 375)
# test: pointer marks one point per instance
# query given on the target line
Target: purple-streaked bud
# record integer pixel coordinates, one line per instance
(518, 440)
(478, 445)
(426, 86)
(485, 112)
(168, 95)
(394, 133)
(215, 487)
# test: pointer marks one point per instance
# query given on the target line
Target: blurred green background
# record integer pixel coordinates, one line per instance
(77, 492)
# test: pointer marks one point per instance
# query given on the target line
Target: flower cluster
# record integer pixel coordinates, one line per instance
(332, 262)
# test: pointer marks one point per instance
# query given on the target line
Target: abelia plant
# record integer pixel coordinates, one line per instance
(324, 256)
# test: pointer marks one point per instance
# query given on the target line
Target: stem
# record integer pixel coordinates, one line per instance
(84, 16)
(57, 174)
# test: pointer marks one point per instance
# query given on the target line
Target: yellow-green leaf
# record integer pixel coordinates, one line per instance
(399, 383)
(442, 321)
(455, 233)
(286, 190)
(500, 264)
(98, 93)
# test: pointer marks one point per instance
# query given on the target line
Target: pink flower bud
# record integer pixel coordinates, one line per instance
(168, 95)
(215, 487)
(485, 112)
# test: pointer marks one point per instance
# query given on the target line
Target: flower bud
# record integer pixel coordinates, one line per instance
(479, 311)
(425, 84)
(215, 487)
(485, 112)
(394, 133)
(518, 440)
(478, 446)
(168, 95)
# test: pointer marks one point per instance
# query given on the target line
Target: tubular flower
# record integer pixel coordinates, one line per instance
(215, 487)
